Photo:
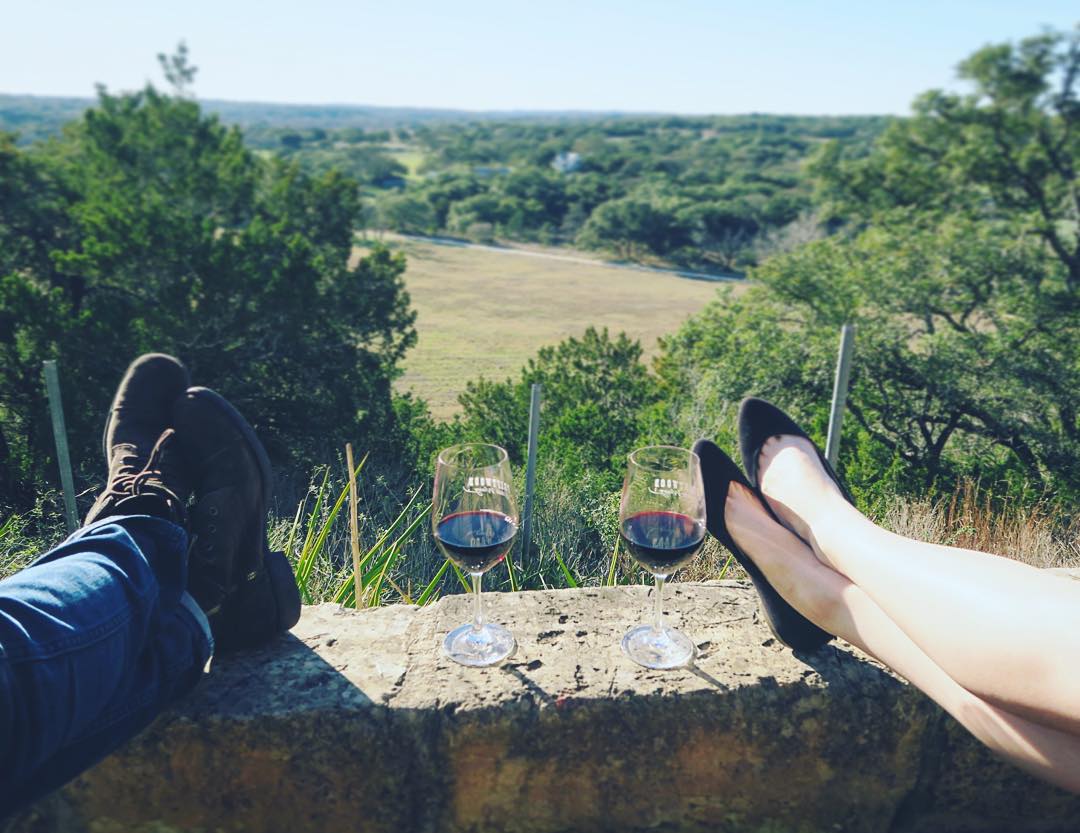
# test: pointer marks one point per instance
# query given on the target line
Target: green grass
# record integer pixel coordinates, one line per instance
(24, 537)
(372, 571)
(398, 559)
(400, 563)
(481, 312)
(18, 547)
(410, 158)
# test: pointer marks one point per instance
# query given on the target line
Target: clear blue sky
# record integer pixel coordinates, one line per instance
(687, 56)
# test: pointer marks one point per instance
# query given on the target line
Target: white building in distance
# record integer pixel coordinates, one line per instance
(566, 162)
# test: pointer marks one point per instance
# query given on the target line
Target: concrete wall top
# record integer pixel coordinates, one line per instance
(355, 721)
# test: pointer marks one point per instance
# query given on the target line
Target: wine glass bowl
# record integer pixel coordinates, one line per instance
(662, 524)
(474, 521)
(663, 541)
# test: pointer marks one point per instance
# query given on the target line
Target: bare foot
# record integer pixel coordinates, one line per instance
(787, 562)
(796, 486)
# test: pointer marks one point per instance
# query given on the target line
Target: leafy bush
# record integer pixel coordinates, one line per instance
(595, 390)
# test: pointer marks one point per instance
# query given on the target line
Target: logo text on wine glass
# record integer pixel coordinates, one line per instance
(487, 486)
(666, 487)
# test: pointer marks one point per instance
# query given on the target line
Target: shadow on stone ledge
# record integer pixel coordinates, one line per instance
(356, 722)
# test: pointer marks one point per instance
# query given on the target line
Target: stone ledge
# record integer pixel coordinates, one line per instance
(356, 722)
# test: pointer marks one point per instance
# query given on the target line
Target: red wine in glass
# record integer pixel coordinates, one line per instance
(662, 541)
(476, 541)
(474, 520)
(662, 522)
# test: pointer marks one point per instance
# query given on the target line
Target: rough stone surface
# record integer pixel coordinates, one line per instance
(356, 722)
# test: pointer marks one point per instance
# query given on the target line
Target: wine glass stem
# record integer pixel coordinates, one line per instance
(478, 611)
(659, 624)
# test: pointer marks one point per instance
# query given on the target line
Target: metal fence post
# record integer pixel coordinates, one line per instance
(839, 395)
(63, 456)
(530, 474)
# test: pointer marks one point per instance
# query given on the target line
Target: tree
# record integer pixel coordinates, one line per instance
(481, 208)
(721, 232)
(968, 343)
(444, 191)
(540, 195)
(406, 212)
(966, 361)
(1009, 149)
(149, 226)
(632, 226)
(958, 268)
(178, 71)
(595, 390)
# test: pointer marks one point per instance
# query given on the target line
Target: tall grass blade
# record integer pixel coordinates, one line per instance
(405, 597)
(510, 571)
(307, 559)
(570, 580)
(461, 577)
(429, 591)
(609, 579)
(310, 528)
(373, 597)
(295, 527)
(394, 525)
(374, 559)
(395, 550)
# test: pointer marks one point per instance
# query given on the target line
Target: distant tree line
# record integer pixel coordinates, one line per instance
(707, 192)
(713, 193)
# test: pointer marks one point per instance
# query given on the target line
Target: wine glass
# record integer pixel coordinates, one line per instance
(662, 524)
(474, 520)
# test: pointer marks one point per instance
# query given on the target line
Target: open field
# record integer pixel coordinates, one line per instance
(407, 156)
(484, 313)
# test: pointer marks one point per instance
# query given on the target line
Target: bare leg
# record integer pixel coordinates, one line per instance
(1006, 631)
(832, 602)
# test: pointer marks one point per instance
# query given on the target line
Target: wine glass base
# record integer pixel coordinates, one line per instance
(486, 645)
(652, 648)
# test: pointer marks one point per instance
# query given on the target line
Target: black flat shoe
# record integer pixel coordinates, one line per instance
(758, 421)
(718, 472)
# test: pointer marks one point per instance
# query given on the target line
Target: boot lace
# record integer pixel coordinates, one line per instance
(151, 477)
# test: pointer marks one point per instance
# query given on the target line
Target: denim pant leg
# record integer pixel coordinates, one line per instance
(96, 637)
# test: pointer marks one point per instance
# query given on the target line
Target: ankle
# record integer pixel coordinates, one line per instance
(158, 503)
(833, 528)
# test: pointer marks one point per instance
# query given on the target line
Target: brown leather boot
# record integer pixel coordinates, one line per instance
(146, 473)
(248, 593)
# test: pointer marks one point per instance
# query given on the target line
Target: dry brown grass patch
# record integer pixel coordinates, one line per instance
(487, 313)
(969, 518)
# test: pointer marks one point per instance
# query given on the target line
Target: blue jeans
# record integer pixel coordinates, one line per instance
(96, 637)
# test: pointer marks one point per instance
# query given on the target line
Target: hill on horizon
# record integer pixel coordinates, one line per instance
(35, 116)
